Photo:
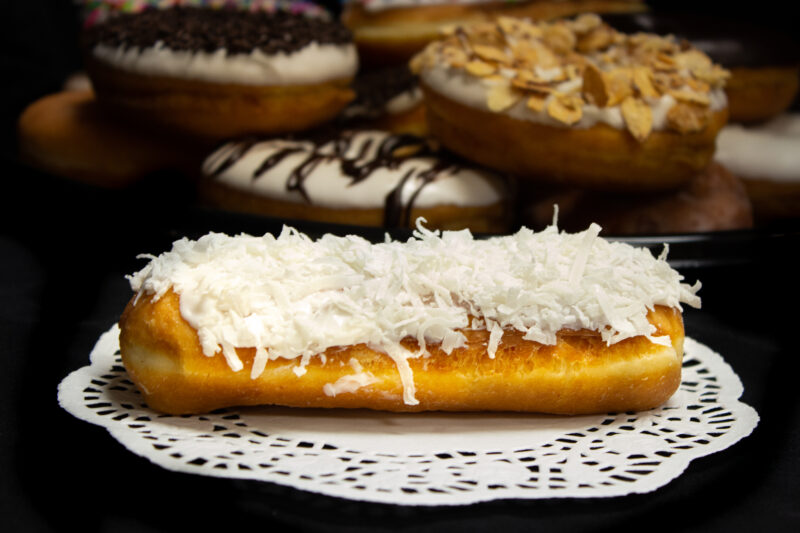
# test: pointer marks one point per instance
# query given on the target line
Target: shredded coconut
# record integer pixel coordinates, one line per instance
(291, 297)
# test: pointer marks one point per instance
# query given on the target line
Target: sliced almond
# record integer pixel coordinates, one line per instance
(501, 96)
(643, 81)
(567, 109)
(619, 85)
(586, 22)
(687, 118)
(595, 88)
(698, 85)
(559, 38)
(491, 53)
(455, 57)
(479, 68)
(664, 62)
(691, 97)
(531, 84)
(693, 60)
(598, 39)
(638, 118)
(536, 103)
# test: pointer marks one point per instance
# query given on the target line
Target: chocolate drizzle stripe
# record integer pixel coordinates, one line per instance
(274, 160)
(231, 154)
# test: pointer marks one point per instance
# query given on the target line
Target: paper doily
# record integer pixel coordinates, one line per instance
(425, 458)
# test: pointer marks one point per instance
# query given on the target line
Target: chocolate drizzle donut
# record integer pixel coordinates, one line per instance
(392, 177)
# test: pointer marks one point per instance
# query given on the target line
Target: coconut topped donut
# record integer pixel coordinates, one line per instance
(225, 45)
(576, 73)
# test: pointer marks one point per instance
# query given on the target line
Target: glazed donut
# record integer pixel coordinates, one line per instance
(764, 64)
(391, 31)
(767, 159)
(365, 178)
(714, 200)
(220, 73)
(68, 134)
(574, 102)
(438, 322)
(386, 99)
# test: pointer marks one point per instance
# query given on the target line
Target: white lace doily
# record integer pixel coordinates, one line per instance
(425, 458)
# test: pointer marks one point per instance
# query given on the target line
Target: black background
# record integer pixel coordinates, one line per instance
(64, 251)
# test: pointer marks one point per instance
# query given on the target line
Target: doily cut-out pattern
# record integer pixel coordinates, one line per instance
(425, 458)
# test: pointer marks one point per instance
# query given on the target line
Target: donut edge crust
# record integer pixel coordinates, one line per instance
(756, 94)
(578, 375)
(599, 157)
(494, 218)
(68, 134)
(217, 111)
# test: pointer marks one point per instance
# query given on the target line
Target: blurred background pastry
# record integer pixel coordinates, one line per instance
(219, 73)
(392, 31)
(387, 99)
(766, 157)
(68, 134)
(764, 63)
(361, 177)
(714, 200)
(573, 102)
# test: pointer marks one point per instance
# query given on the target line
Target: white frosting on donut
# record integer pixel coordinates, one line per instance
(768, 151)
(326, 184)
(404, 101)
(291, 297)
(472, 91)
(314, 63)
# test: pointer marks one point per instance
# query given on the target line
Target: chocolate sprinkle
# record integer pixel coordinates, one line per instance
(208, 30)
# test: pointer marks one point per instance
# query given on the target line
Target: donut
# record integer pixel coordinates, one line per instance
(764, 63)
(389, 32)
(388, 99)
(536, 322)
(364, 178)
(714, 200)
(215, 74)
(767, 159)
(68, 134)
(574, 102)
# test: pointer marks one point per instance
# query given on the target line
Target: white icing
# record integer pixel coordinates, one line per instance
(314, 63)
(327, 186)
(404, 101)
(294, 297)
(768, 151)
(351, 382)
(473, 92)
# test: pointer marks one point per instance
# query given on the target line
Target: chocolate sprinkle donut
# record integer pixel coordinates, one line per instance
(208, 30)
